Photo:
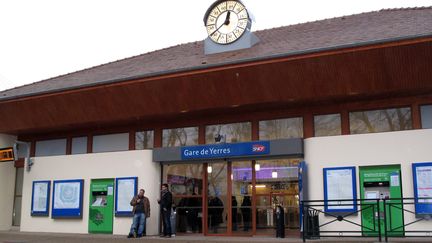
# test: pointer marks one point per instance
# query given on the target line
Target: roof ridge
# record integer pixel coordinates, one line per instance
(347, 16)
(407, 8)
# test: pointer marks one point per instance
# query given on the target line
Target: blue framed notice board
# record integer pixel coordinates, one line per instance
(67, 201)
(422, 176)
(40, 198)
(340, 184)
(125, 190)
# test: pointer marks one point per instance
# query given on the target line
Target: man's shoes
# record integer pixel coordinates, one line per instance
(130, 236)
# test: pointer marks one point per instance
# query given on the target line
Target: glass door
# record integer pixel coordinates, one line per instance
(241, 198)
(185, 181)
(277, 184)
(217, 196)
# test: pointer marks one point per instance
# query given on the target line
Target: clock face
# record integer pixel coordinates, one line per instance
(227, 22)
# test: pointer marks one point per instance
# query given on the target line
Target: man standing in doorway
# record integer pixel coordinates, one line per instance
(141, 211)
(165, 204)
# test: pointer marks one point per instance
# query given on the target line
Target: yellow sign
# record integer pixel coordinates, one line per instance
(6, 154)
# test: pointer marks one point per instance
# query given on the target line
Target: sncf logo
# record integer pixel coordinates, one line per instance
(258, 148)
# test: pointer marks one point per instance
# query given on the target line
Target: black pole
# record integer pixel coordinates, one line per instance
(385, 220)
(304, 221)
(379, 220)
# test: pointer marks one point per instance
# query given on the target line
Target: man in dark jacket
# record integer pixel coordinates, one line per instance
(165, 204)
(246, 212)
(141, 211)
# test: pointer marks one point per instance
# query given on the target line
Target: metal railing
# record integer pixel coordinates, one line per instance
(406, 206)
(376, 218)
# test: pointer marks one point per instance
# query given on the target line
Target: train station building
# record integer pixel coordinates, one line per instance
(320, 110)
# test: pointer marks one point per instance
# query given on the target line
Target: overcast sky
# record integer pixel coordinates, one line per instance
(40, 39)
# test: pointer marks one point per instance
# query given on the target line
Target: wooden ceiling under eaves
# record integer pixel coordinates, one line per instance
(385, 70)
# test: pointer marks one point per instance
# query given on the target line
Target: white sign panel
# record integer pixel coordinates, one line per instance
(339, 186)
(67, 195)
(125, 193)
(394, 180)
(424, 183)
(40, 197)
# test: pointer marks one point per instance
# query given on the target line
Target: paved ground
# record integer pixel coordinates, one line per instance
(22, 237)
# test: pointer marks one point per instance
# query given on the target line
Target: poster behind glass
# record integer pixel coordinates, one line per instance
(126, 189)
(340, 184)
(40, 198)
(422, 175)
(67, 199)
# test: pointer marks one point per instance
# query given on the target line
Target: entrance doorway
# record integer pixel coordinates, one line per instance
(234, 197)
(277, 184)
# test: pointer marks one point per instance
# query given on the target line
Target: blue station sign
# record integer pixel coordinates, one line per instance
(225, 150)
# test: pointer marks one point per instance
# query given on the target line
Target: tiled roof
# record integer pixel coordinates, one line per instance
(359, 29)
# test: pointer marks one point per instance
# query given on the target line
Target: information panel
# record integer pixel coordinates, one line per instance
(422, 174)
(340, 184)
(6, 154)
(67, 199)
(126, 189)
(40, 198)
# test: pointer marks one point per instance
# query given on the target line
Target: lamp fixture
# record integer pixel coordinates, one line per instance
(257, 167)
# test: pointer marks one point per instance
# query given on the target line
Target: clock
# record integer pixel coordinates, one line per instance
(226, 21)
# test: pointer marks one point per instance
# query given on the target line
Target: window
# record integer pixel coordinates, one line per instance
(281, 128)
(111, 142)
(327, 125)
(180, 137)
(144, 140)
(380, 120)
(184, 179)
(51, 147)
(230, 133)
(22, 150)
(79, 145)
(426, 116)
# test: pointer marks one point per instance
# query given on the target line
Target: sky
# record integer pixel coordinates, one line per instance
(46, 38)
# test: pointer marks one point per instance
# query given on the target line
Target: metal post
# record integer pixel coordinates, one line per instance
(304, 221)
(385, 221)
(379, 220)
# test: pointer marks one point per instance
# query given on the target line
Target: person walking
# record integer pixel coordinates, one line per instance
(165, 204)
(141, 211)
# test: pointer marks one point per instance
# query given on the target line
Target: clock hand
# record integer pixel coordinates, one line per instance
(226, 22)
(216, 29)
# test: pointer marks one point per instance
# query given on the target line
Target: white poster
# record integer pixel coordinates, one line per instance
(40, 197)
(339, 186)
(125, 193)
(67, 195)
(110, 190)
(394, 180)
(424, 183)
